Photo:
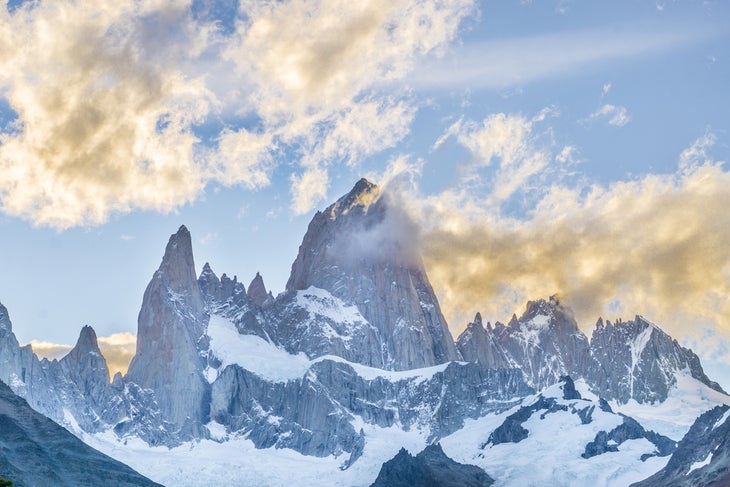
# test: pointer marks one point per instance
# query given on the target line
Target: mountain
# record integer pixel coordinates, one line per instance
(431, 467)
(545, 343)
(326, 381)
(702, 457)
(652, 357)
(361, 249)
(170, 336)
(622, 361)
(36, 451)
(566, 436)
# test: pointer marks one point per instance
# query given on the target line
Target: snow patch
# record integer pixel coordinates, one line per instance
(722, 420)
(539, 321)
(698, 465)
(686, 400)
(252, 353)
(372, 373)
(266, 360)
(560, 438)
(320, 302)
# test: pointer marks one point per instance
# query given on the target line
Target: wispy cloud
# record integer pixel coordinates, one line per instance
(500, 64)
(617, 116)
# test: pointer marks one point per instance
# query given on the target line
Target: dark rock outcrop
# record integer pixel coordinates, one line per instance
(36, 451)
(702, 457)
(430, 468)
(629, 429)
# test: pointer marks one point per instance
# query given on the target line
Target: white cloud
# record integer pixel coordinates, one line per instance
(109, 94)
(512, 146)
(617, 116)
(606, 88)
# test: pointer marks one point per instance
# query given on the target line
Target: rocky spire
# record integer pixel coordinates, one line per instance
(477, 344)
(363, 250)
(257, 291)
(5, 325)
(170, 326)
(177, 269)
(86, 366)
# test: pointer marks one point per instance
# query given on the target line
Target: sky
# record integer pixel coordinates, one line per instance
(541, 147)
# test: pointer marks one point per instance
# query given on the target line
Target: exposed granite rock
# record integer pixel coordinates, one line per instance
(315, 414)
(257, 291)
(702, 457)
(170, 336)
(361, 249)
(629, 429)
(430, 468)
(317, 323)
(628, 360)
(636, 359)
(545, 343)
(477, 344)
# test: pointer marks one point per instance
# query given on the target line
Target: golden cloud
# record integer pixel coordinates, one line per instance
(658, 245)
(118, 350)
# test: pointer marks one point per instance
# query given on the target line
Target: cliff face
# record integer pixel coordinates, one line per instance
(170, 335)
(361, 250)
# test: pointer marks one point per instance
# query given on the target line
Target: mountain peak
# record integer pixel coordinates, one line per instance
(257, 290)
(362, 195)
(87, 341)
(5, 324)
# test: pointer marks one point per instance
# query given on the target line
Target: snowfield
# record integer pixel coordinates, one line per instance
(559, 437)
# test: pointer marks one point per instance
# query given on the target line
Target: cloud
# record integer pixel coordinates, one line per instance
(117, 349)
(49, 350)
(497, 65)
(656, 245)
(322, 76)
(617, 116)
(111, 97)
(103, 120)
(512, 147)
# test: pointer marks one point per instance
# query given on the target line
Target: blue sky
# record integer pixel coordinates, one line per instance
(542, 146)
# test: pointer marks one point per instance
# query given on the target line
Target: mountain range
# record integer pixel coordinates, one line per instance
(354, 361)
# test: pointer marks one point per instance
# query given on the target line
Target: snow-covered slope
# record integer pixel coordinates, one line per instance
(558, 435)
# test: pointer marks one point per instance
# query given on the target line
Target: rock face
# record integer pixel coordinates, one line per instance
(315, 414)
(627, 360)
(36, 451)
(170, 335)
(636, 359)
(702, 457)
(361, 250)
(429, 468)
(545, 343)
